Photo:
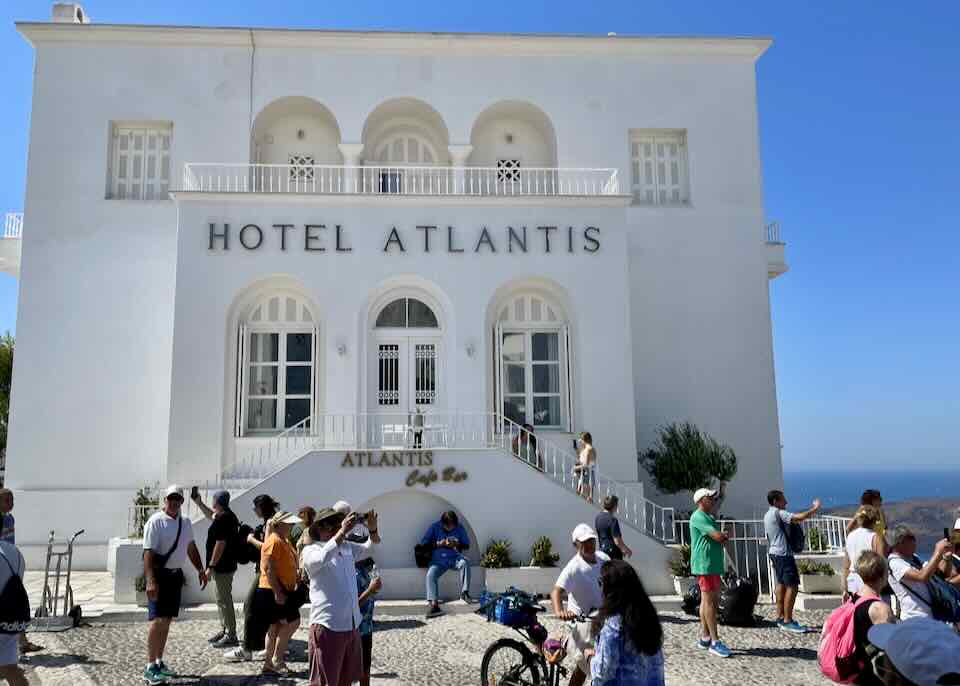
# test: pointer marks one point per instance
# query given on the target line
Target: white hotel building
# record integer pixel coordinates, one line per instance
(251, 256)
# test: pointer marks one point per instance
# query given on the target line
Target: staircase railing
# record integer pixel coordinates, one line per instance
(558, 464)
(461, 430)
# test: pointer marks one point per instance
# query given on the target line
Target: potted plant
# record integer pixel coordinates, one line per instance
(816, 541)
(680, 569)
(542, 555)
(816, 577)
(497, 555)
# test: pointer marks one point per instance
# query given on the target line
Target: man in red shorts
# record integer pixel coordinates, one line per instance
(706, 563)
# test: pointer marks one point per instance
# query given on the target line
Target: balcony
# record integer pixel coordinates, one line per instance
(423, 181)
(10, 243)
(776, 251)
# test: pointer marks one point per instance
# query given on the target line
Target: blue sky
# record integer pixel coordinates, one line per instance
(860, 126)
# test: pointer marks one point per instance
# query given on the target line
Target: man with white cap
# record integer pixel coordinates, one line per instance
(167, 542)
(918, 651)
(580, 579)
(221, 562)
(706, 563)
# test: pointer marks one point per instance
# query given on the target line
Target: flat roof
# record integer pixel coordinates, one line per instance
(403, 41)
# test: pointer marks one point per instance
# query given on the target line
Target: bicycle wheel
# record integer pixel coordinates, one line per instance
(509, 663)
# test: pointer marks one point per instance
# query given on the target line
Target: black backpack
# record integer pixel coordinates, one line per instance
(793, 532)
(14, 603)
(244, 552)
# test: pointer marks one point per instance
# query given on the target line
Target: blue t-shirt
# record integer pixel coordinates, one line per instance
(436, 533)
(7, 533)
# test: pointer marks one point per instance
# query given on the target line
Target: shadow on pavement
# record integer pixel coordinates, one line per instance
(59, 660)
(795, 653)
(388, 624)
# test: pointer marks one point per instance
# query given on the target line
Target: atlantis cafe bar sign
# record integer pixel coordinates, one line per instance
(321, 238)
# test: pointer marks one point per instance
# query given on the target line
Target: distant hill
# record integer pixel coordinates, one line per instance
(926, 516)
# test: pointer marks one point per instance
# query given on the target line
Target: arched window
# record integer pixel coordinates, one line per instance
(405, 148)
(277, 365)
(407, 313)
(533, 362)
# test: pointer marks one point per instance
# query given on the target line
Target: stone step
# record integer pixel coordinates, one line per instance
(817, 601)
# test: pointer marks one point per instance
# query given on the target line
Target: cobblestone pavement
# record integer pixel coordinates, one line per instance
(409, 651)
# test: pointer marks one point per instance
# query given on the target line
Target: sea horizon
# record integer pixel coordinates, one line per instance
(838, 487)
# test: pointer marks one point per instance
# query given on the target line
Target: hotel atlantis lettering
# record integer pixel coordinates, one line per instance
(321, 238)
(424, 473)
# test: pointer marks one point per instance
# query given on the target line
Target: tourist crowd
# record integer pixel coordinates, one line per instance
(894, 600)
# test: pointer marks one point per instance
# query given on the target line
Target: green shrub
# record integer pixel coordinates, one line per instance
(497, 555)
(680, 563)
(811, 568)
(816, 541)
(684, 458)
(542, 555)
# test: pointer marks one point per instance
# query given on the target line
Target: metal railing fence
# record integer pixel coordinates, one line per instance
(399, 180)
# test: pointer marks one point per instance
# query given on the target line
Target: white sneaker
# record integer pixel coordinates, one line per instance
(240, 655)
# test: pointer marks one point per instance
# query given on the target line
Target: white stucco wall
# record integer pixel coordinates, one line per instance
(676, 300)
(345, 284)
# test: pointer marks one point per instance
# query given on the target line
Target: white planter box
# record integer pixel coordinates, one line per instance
(682, 583)
(538, 580)
(819, 583)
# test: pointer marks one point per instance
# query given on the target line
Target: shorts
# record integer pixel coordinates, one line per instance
(169, 590)
(709, 583)
(583, 639)
(9, 649)
(366, 642)
(785, 570)
(268, 612)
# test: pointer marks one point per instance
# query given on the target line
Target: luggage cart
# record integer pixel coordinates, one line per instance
(54, 611)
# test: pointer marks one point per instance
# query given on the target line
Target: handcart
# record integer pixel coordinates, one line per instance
(54, 613)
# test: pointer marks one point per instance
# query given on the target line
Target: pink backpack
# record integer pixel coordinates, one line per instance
(837, 650)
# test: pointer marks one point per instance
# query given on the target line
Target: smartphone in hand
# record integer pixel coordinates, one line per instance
(194, 492)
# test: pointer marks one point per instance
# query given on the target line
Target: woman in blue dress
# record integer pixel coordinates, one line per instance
(629, 636)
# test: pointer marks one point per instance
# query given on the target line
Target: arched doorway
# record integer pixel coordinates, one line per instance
(405, 371)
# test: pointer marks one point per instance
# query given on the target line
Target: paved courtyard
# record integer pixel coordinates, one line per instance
(409, 651)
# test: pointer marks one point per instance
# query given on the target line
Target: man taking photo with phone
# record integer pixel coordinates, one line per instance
(221, 562)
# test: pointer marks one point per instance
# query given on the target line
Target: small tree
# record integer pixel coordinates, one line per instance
(497, 555)
(685, 459)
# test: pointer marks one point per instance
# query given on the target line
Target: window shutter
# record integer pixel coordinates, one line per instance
(241, 364)
(498, 369)
(568, 362)
(315, 398)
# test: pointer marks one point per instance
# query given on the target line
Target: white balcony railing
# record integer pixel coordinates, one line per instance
(773, 233)
(13, 225)
(399, 180)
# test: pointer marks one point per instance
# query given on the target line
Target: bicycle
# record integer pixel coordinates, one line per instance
(509, 662)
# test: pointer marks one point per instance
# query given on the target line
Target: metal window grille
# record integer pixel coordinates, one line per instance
(508, 171)
(302, 167)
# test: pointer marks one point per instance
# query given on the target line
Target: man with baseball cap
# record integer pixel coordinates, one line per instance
(917, 651)
(580, 580)
(221, 562)
(706, 563)
(167, 542)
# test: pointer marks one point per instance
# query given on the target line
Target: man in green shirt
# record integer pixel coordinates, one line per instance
(706, 563)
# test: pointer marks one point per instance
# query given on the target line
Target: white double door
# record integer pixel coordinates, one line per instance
(406, 376)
